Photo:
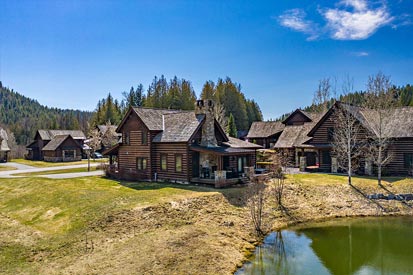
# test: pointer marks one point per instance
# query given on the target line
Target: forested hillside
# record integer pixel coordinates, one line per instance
(23, 116)
(179, 94)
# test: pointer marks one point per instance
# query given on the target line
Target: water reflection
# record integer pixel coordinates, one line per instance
(361, 246)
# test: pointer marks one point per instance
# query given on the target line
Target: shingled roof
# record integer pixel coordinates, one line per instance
(50, 134)
(238, 143)
(152, 118)
(179, 127)
(263, 129)
(3, 141)
(297, 135)
(56, 142)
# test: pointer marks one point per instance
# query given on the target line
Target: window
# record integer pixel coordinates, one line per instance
(144, 137)
(126, 138)
(141, 163)
(330, 134)
(163, 162)
(178, 163)
(242, 162)
(69, 153)
(408, 160)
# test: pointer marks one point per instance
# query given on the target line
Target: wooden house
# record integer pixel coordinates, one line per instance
(398, 128)
(4, 147)
(56, 145)
(265, 133)
(294, 136)
(179, 146)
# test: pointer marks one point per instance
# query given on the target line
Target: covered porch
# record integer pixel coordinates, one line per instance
(220, 166)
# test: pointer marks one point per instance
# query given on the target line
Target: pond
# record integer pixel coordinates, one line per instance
(349, 246)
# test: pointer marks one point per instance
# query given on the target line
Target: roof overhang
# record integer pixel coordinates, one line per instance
(220, 150)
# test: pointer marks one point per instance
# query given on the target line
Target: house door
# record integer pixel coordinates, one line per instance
(226, 163)
(195, 164)
(311, 158)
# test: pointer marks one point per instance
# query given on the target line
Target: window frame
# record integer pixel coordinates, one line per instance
(163, 161)
(408, 160)
(126, 138)
(141, 163)
(144, 137)
(178, 156)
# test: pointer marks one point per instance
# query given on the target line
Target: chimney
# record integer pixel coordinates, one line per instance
(206, 107)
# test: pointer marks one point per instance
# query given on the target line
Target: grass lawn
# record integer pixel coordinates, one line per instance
(94, 225)
(41, 164)
(60, 171)
(38, 214)
(6, 168)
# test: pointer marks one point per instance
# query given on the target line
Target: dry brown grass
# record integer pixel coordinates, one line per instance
(173, 230)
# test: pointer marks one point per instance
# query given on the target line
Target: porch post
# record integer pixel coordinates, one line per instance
(220, 163)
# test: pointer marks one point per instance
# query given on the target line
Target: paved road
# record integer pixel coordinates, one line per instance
(18, 166)
(21, 168)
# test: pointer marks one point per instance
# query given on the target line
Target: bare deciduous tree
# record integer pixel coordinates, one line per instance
(256, 196)
(109, 137)
(94, 141)
(380, 100)
(323, 95)
(280, 160)
(348, 144)
(219, 113)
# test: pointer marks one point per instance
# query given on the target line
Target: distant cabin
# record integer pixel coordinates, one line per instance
(56, 145)
(4, 147)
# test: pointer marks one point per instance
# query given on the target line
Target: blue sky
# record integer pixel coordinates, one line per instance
(69, 54)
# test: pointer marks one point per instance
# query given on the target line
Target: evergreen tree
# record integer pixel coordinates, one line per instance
(231, 127)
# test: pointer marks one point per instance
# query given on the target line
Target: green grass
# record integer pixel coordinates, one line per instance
(48, 214)
(60, 171)
(41, 164)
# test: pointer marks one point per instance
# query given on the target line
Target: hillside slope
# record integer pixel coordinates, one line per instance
(23, 116)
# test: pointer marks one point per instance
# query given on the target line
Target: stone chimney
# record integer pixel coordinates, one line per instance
(206, 107)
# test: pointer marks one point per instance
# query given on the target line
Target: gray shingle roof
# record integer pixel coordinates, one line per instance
(179, 127)
(3, 143)
(297, 135)
(50, 134)
(237, 143)
(263, 129)
(397, 123)
(153, 117)
(55, 143)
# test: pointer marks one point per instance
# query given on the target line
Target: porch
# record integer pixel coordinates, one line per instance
(220, 166)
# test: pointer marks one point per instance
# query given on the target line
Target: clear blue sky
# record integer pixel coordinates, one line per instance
(69, 54)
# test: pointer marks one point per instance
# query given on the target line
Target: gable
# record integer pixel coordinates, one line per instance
(131, 122)
(298, 117)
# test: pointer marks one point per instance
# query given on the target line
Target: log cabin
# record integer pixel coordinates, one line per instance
(265, 133)
(4, 147)
(179, 146)
(398, 129)
(65, 145)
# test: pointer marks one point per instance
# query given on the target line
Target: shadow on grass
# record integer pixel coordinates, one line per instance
(285, 211)
(234, 195)
(390, 192)
(359, 191)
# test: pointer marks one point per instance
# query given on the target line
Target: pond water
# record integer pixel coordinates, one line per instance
(350, 246)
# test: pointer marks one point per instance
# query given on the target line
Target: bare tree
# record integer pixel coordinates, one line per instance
(323, 95)
(380, 100)
(109, 137)
(256, 197)
(348, 144)
(219, 113)
(279, 161)
(94, 141)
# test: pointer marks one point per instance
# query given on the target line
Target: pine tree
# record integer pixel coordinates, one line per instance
(231, 127)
